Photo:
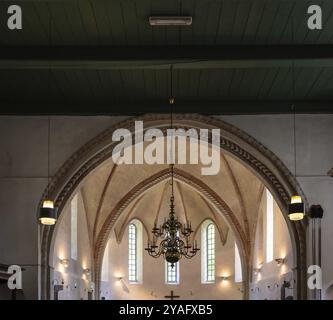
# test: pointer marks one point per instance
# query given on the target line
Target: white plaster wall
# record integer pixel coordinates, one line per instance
(23, 173)
(267, 283)
(153, 284)
(76, 283)
(23, 178)
(314, 136)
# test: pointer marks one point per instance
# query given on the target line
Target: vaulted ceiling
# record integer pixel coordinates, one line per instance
(103, 57)
(111, 195)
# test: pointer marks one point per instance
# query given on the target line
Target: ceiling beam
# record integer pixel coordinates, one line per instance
(145, 57)
(140, 107)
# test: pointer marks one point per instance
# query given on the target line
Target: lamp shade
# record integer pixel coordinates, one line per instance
(296, 209)
(47, 213)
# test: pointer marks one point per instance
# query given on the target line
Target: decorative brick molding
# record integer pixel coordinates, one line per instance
(265, 164)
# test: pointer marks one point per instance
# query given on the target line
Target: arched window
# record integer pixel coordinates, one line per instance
(238, 266)
(269, 226)
(172, 274)
(135, 252)
(208, 252)
(132, 253)
(74, 214)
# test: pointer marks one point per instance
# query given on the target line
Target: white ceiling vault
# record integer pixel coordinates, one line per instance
(107, 186)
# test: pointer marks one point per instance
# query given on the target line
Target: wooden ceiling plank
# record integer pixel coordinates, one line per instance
(37, 32)
(241, 20)
(131, 22)
(75, 22)
(188, 8)
(326, 34)
(89, 21)
(254, 19)
(213, 20)
(102, 22)
(267, 21)
(62, 30)
(200, 17)
(323, 86)
(88, 106)
(116, 19)
(145, 31)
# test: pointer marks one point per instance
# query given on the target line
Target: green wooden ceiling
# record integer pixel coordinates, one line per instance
(257, 89)
(125, 22)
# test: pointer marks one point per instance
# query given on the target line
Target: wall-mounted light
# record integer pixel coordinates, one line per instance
(296, 209)
(272, 287)
(119, 279)
(224, 278)
(55, 282)
(257, 270)
(64, 262)
(170, 21)
(86, 271)
(280, 261)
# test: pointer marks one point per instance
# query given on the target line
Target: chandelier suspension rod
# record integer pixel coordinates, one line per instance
(171, 101)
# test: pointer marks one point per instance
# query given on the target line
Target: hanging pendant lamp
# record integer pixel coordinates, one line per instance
(47, 213)
(296, 210)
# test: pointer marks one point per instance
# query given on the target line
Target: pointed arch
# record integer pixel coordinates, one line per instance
(223, 237)
(235, 142)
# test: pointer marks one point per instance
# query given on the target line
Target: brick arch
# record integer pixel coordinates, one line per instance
(235, 142)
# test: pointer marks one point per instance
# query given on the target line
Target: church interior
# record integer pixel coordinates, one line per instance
(78, 224)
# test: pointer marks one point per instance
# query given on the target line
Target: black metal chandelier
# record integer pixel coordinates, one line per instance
(173, 235)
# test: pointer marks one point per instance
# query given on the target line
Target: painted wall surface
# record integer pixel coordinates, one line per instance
(23, 178)
(314, 134)
(266, 284)
(23, 173)
(153, 284)
(76, 282)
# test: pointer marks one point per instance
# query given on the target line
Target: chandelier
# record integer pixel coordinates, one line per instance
(174, 236)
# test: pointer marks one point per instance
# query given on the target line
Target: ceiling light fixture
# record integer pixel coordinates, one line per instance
(170, 20)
